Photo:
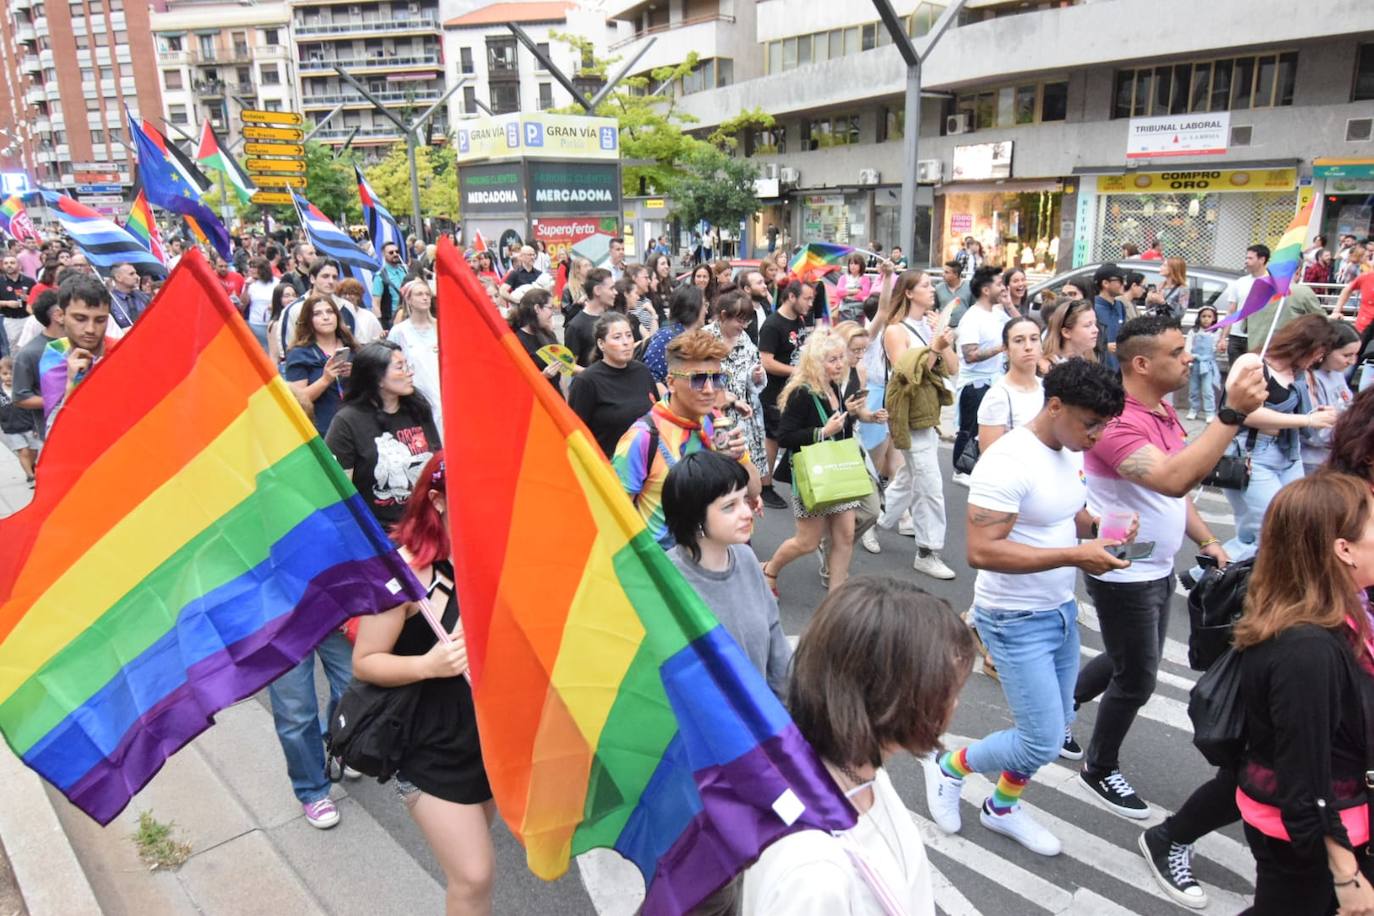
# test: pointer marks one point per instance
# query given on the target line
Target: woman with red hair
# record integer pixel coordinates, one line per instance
(441, 779)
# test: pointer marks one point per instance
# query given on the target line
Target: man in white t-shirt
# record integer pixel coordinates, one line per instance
(1256, 266)
(1026, 513)
(980, 350)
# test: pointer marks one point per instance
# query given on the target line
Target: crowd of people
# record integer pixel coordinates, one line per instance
(705, 393)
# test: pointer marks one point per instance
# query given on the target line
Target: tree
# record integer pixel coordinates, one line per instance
(329, 185)
(435, 167)
(726, 135)
(714, 186)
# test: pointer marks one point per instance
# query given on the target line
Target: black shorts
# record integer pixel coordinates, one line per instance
(772, 419)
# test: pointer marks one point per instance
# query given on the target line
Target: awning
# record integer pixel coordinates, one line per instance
(1330, 167)
(1120, 168)
(1009, 186)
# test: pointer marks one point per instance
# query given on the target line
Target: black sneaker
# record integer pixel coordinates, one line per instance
(1172, 865)
(772, 500)
(1071, 750)
(1114, 792)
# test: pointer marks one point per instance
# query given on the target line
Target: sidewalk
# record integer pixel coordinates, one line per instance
(227, 794)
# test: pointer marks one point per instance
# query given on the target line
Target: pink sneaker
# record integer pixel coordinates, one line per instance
(321, 814)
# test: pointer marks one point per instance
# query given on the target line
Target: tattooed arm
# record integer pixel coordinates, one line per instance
(1179, 473)
(972, 354)
(990, 548)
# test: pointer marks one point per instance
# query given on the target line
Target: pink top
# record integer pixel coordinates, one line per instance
(865, 285)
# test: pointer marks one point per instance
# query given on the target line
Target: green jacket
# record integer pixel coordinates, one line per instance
(1301, 300)
(915, 393)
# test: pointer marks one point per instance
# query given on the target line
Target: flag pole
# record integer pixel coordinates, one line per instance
(1273, 326)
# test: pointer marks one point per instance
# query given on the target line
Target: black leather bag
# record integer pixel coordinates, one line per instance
(1214, 606)
(1217, 708)
(968, 458)
(1232, 471)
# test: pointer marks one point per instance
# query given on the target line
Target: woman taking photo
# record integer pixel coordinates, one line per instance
(418, 336)
(811, 410)
(1016, 397)
(441, 779)
(1072, 333)
(1307, 678)
(1173, 296)
(877, 673)
(743, 369)
(259, 295)
(384, 432)
(616, 389)
(853, 288)
(319, 359)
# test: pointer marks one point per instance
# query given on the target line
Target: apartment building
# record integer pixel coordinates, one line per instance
(1037, 119)
(394, 47)
(721, 32)
(68, 70)
(216, 59)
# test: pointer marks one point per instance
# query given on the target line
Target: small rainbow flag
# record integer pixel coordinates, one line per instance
(817, 258)
(1284, 262)
(190, 539)
(143, 227)
(14, 219)
(614, 709)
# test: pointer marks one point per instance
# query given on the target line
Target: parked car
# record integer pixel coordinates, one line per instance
(1205, 284)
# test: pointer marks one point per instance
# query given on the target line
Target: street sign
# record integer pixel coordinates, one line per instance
(271, 197)
(274, 165)
(100, 189)
(290, 118)
(273, 149)
(289, 134)
(278, 181)
(97, 177)
(102, 199)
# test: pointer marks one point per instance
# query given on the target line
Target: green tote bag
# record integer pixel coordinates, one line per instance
(830, 472)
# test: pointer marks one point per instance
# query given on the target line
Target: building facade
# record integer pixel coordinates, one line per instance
(1036, 124)
(722, 33)
(216, 59)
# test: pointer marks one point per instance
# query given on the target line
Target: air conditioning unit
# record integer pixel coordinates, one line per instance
(869, 176)
(929, 171)
(770, 171)
(960, 123)
(789, 176)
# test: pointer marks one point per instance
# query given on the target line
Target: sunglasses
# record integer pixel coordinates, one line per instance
(698, 380)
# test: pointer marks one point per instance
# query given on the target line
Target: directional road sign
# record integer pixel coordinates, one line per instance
(273, 149)
(279, 181)
(271, 197)
(289, 118)
(100, 189)
(289, 134)
(274, 165)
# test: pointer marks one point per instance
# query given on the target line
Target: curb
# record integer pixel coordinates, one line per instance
(50, 878)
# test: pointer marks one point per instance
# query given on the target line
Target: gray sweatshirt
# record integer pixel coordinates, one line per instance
(741, 601)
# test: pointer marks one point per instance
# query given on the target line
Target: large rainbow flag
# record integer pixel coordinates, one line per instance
(190, 539)
(142, 226)
(613, 708)
(818, 258)
(14, 219)
(1284, 262)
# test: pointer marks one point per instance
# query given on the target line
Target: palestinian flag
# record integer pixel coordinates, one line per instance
(211, 155)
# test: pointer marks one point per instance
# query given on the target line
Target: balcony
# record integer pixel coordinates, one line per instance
(21, 4)
(30, 64)
(41, 124)
(353, 100)
(35, 94)
(174, 58)
(348, 29)
(45, 155)
(674, 26)
(239, 54)
(374, 63)
(25, 33)
(217, 89)
(366, 135)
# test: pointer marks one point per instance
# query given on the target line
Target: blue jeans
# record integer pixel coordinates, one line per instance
(1037, 660)
(1203, 378)
(1270, 471)
(296, 711)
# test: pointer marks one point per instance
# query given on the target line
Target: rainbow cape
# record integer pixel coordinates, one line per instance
(817, 258)
(1284, 262)
(614, 710)
(190, 539)
(14, 219)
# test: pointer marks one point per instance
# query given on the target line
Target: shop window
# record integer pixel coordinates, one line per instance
(1364, 74)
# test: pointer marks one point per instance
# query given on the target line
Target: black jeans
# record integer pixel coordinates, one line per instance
(1211, 807)
(1134, 617)
(1236, 347)
(970, 398)
(1287, 884)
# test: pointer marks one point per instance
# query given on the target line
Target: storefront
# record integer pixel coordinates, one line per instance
(1347, 188)
(1205, 216)
(859, 218)
(1016, 221)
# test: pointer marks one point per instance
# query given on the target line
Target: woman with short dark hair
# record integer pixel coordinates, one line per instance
(877, 673)
(616, 389)
(686, 312)
(532, 321)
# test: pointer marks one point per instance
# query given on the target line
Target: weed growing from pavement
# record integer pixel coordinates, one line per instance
(156, 845)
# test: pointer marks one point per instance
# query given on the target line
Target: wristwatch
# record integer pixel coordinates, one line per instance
(1231, 417)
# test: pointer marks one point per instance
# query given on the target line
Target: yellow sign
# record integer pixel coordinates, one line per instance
(279, 181)
(274, 165)
(273, 149)
(271, 197)
(290, 118)
(289, 134)
(538, 135)
(1199, 182)
(654, 203)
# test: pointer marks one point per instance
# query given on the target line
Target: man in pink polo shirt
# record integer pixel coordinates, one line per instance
(1142, 464)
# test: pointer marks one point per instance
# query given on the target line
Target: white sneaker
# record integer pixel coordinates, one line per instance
(942, 796)
(870, 541)
(905, 525)
(932, 566)
(1021, 827)
(961, 478)
(1192, 415)
(350, 773)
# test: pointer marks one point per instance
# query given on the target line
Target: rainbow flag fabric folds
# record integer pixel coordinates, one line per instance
(142, 226)
(817, 258)
(14, 220)
(613, 708)
(190, 539)
(1284, 262)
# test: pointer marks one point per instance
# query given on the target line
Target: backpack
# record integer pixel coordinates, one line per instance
(1214, 606)
(370, 729)
(1216, 707)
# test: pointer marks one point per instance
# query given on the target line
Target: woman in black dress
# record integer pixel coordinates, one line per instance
(441, 779)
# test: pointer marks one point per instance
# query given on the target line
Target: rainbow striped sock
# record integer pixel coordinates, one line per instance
(954, 764)
(1005, 796)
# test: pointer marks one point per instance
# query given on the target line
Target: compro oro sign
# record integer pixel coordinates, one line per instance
(539, 135)
(1205, 134)
(580, 188)
(1203, 182)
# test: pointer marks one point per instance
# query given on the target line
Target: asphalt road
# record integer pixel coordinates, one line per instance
(1100, 870)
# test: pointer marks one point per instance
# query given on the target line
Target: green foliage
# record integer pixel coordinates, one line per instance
(157, 847)
(726, 136)
(714, 186)
(330, 185)
(436, 169)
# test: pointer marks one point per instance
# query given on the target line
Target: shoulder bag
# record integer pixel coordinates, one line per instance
(1232, 471)
(1217, 709)
(370, 729)
(968, 458)
(829, 472)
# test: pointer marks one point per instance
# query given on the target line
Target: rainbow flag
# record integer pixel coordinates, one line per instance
(817, 258)
(614, 710)
(190, 539)
(143, 227)
(14, 219)
(1284, 262)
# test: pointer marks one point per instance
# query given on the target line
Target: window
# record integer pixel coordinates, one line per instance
(174, 43)
(171, 79)
(240, 40)
(465, 60)
(505, 97)
(768, 141)
(1024, 104)
(270, 75)
(501, 57)
(803, 50)
(819, 133)
(545, 96)
(1009, 106)
(87, 75)
(97, 135)
(543, 47)
(1054, 101)
(271, 37)
(272, 104)
(176, 114)
(1233, 84)
(93, 106)
(244, 75)
(95, 7)
(207, 46)
(869, 36)
(469, 100)
(891, 124)
(107, 73)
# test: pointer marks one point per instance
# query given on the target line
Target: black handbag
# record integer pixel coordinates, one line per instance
(968, 458)
(1232, 472)
(1217, 709)
(371, 727)
(1214, 606)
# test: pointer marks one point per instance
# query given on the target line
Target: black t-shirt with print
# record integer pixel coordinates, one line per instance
(783, 337)
(387, 452)
(16, 290)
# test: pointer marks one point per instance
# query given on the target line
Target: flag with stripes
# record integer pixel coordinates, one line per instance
(104, 243)
(166, 186)
(329, 240)
(212, 155)
(193, 176)
(381, 225)
(143, 227)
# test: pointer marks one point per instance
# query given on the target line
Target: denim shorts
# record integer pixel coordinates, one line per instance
(407, 792)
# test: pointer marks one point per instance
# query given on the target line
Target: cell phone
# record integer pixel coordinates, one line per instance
(341, 355)
(861, 394)
(1206, 561)
(1138, 550)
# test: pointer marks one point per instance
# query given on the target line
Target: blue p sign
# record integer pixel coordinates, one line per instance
(464, 144)
(534, 133)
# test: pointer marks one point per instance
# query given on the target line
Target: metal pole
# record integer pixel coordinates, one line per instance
(321, 123)
(911, 133)
(417, 225)
(523, 37)
(624, 72)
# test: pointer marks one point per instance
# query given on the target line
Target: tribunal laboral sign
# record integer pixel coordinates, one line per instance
(538, 135)
(1201, 134)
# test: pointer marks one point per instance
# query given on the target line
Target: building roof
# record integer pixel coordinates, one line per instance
(501, 13)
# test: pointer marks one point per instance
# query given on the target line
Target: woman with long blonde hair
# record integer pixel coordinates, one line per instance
(574, 293)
